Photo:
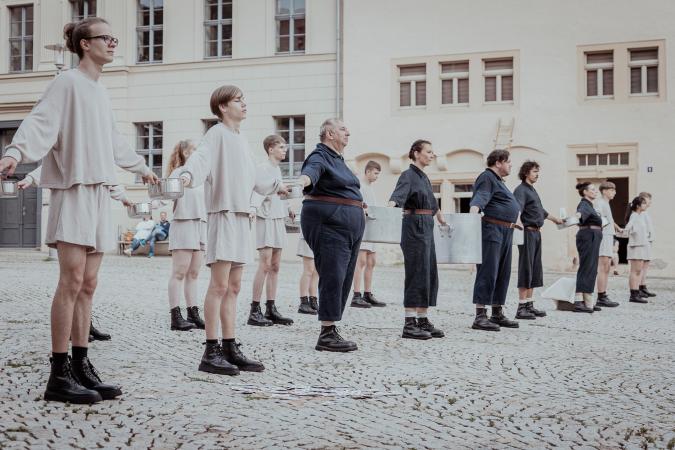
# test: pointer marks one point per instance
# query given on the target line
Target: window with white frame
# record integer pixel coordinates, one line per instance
(603, 159)
(412, 85)
(150, 31)
(436, 189)
(498, 79)
(21, 38)
(149, 143)
(81, 10)
(644, 71)
(290, 16)
(599, 74)
(455, 83)
(218, 28)
(462, 193)
(292, 129)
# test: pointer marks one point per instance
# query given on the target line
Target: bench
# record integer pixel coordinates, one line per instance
(124, 242)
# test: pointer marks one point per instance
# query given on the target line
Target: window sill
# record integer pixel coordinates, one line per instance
(455, 105)
(643, 95)
(412, 108)
(217, 58)
(289, 53)
(599, 97)
(499, 103)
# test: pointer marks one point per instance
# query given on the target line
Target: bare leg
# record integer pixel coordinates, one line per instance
(314, 282)
(191, 281)
(604, 265)
(371, 260)
(635, 273)
(273, 274)
(264, 263)
(645, 267)
(228, 307)
(180, 263)
(72, 265)
(215, 296)
(306, 277)
(82, 313)
(358, 271)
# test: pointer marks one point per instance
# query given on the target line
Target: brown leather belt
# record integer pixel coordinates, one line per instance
(589, 227)
(419, 212)
(533, 228)
(338, 200)
(501, 222)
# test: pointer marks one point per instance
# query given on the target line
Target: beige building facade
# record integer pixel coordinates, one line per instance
(580, 87)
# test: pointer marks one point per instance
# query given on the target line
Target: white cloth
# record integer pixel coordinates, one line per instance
(191, 205)
(72, 129)
(228, 238)
(117, 192)
(650, 226)
(637, 230)
(642, 252)
(303, 249)
(270, 233)
(607, 245)
(270, 206)
(368, 194)
(67, 223)
(223, 163)
(144, 229)
(367, 247)
(602, 206)
(187, 234)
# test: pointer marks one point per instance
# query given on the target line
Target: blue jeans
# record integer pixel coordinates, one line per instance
(157, 235)
(135, 243)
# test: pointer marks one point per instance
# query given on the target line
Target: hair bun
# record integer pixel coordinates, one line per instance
(68, 36)
(580, 185)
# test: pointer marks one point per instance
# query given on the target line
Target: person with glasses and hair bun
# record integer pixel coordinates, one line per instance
(72, 129)
(589, 238)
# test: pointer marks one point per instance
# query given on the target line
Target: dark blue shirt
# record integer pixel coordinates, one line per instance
(493, 198)
(589, 215)
(413, 190)
(163, 226)
(330, 175)
(533, 213)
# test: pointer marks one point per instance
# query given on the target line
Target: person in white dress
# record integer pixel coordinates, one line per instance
(638, 246)
(72, 129)
(187, 242)
(644, 292)
(607, 193)
(223, 163)
(365, 265)
(270, 225)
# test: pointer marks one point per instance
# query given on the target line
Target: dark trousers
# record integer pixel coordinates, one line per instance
(334, 233)
(492, 276)
(419, 258)
(588, 246)
(530, 270)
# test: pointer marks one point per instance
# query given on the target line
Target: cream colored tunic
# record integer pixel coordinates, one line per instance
(117, 192)
(223, 163)
(369, 198)
(638, 234)
(271, 210)
(607, 243)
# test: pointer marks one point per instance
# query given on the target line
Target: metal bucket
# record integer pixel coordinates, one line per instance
(139, 210)
(166, 189)
(518, 237)
(569, 222)
(8, 189)
(292, 226)
(460, 241)
(383, 225)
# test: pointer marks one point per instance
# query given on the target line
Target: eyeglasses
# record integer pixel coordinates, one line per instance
(106, 38)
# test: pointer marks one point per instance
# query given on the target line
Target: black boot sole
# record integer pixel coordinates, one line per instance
(251, 368)
(356, 305)
(310, 313)
(109, 394)
(76, 400)
(508, 326)
(218, 370)
(377, 305)
(419, 338)
(99, 338)
(278, 322)
(643, 302)
(582, 311)
(323, 348)
(526, 317)
(173, 328)
(477, 327)
(259, 324)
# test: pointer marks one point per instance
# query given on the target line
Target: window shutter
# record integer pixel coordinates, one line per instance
(652, 79)
(635, 80)
(507, 88)
(608, 82)
(405, 94)
(490, 89)
(446, 92)
(463, 90)
(420, 93)
(591, 83)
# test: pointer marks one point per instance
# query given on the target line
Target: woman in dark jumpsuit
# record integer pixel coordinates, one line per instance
(413, 192)
(589, 237)
(332, 222)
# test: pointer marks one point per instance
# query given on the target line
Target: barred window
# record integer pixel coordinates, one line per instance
(498, 79)
(600, 74)
(292, 129)
(217, 28)
(149, 144)
(412, 85)
(644, 71)
(150, 31)
(290, 17)
(455, 83)
(21, 38)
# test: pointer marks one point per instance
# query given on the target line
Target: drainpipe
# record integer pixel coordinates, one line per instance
(338, 57)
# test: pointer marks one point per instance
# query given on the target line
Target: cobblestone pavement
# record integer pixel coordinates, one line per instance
(569, 380)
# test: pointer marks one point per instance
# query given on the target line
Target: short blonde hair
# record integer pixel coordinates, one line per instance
(272, 140)
(222, 96)
(605, 185)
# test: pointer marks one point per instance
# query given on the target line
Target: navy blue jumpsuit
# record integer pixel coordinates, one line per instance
(588, 246)
(530, 269)
(331, 230)
(413, 191)
(496, 201)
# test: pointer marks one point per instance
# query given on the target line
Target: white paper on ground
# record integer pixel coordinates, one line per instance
(563, 289)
